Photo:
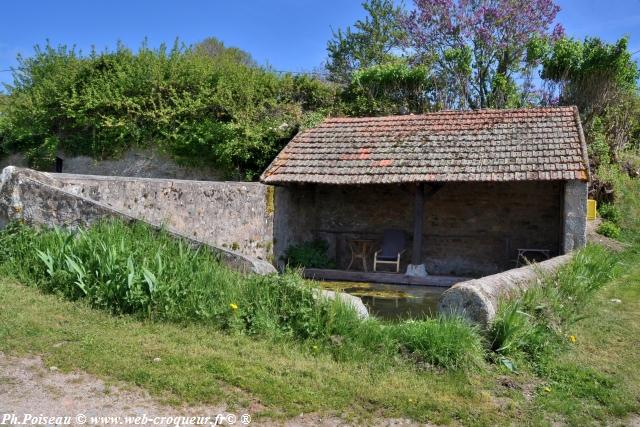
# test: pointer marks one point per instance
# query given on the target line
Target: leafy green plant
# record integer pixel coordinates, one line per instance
(609, 229)
(510, 329)
(311, 254)
(610, 212)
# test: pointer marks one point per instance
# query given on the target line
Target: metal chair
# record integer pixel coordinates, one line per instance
(393, 246)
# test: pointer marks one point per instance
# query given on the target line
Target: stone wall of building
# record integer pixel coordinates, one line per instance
(574, 214)
(294, 219)
(232, 215)
(469, 228)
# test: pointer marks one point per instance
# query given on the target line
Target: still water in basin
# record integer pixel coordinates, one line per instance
(393, 302)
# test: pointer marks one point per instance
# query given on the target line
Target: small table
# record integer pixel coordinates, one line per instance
(360, 248)
(521, 252)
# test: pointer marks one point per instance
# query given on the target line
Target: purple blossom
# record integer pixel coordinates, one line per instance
(558, 32)
(496, 31)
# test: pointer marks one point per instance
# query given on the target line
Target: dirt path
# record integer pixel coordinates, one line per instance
(28, 387)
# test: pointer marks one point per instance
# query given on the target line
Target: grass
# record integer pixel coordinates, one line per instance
(598, 380)
(200, 364)
(593, 381)
(533, 328)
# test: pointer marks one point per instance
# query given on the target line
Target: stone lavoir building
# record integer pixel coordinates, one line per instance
(468, 188)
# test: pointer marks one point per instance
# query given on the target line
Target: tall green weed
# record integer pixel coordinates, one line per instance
(135, 270)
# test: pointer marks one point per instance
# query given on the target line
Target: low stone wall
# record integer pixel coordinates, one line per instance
(231, 215)
(478, 299)
(142, 163)
(40, 198)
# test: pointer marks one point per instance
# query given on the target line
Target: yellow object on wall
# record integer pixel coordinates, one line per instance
(591, 209)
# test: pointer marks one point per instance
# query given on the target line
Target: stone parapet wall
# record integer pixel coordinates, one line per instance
(43, 199)
(231, 215)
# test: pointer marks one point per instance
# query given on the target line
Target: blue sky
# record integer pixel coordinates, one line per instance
(287, 34)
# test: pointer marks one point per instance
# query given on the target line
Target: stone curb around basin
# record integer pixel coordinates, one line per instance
(478, 299)
(350, 300)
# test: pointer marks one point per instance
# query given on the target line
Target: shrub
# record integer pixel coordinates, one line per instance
(626, 191)
(43, 157)
(609, 229)
(214, 108)
(598, 148)
(610, 212)
(311, 254)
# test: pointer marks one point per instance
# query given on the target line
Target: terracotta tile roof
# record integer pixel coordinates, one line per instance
(483, 145)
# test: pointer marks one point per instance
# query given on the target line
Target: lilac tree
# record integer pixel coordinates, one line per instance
(479, 48)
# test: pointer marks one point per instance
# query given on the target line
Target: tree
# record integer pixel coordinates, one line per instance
(601, 79)
(374, 41)
(392, 88)
(591, 74)
(213, 47)
(478, 47)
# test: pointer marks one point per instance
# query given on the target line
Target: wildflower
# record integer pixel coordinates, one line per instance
(315, 347)
(572, 338)
(547, 390)
(233, 306)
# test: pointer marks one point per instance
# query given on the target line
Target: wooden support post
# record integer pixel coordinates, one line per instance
(416, 256)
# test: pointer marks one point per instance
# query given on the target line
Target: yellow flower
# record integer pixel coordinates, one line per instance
(315, 347)
(572, 338)
(547, 390)
(233, 306)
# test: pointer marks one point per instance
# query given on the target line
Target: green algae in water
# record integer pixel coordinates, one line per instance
(361, 289)
(392, 302)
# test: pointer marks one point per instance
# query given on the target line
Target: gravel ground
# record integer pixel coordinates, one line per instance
(28, 387)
